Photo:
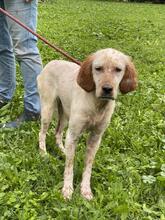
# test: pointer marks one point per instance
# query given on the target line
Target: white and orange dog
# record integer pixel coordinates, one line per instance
(84, 98)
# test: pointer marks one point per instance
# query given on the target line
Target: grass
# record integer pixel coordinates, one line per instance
(128, 176)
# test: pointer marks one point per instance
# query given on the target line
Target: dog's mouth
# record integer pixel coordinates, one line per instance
(104, 97)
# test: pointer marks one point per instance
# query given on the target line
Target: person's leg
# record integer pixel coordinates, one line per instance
(27, 54)
(25, 48)
(7, 62)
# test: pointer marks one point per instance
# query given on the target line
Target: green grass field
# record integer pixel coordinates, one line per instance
(128, 178)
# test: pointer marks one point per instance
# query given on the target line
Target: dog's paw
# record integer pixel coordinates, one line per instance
(67, 192)
(42, 152)
(86, 193)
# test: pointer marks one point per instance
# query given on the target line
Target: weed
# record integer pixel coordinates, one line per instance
(129, 172)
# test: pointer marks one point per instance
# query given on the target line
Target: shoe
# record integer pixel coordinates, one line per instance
(2, 103)
(26, 116)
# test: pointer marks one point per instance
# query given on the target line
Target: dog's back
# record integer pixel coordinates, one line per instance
(58, 79)
(56, 74)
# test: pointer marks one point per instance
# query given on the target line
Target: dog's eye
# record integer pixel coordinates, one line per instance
(118, 69)
(99, 68)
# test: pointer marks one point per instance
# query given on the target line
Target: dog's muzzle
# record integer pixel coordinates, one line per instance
(107, 92)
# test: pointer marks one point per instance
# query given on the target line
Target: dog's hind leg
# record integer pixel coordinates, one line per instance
(60, 126)
(46, 116)
(48, 99)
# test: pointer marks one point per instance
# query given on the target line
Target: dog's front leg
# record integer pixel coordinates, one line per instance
(92, 147)
(70, 145)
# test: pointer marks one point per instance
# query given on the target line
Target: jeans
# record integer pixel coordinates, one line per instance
(17, 43)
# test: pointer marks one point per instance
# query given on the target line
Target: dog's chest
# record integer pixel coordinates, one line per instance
(94, 120)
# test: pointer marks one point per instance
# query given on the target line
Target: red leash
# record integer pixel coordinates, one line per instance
(40, 37)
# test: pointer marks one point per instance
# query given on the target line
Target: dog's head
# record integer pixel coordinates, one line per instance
(106, 71)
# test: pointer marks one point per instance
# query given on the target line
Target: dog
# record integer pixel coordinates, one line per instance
(83, 98)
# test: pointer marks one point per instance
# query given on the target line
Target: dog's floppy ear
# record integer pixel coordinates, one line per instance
(85, 78)
(129, 81)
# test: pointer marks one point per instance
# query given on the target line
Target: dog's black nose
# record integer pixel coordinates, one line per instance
(107, 89)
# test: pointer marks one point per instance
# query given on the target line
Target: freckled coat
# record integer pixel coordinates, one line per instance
(84, 98)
